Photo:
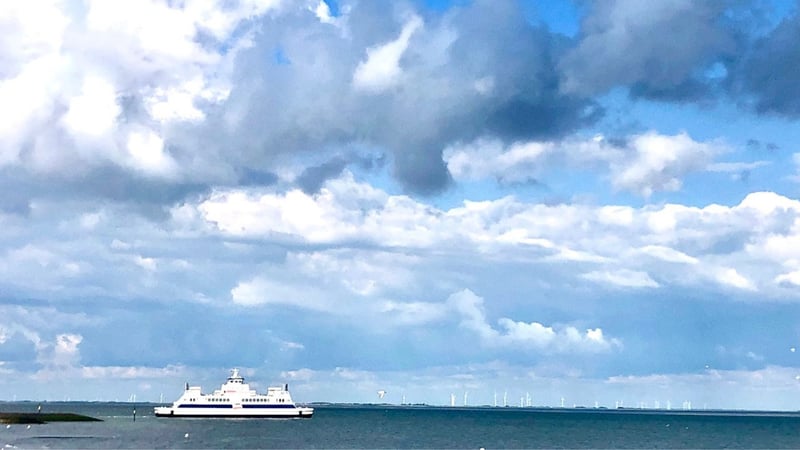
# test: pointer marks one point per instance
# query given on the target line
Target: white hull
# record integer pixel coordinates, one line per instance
(263, 412)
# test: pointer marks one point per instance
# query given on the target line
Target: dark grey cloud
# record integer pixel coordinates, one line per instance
(756, 145)
(255, 177)
(688, 91)
(312, 178)
(477, 70)
(660, 49)
(765, 79)
(150, 197)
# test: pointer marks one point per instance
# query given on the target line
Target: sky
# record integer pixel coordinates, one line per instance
(588, 201)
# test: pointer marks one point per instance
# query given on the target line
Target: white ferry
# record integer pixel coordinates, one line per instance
(234, 399)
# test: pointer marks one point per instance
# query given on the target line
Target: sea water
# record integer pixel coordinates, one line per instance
(386, 426)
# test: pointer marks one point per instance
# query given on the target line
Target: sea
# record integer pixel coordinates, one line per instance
(388, 426)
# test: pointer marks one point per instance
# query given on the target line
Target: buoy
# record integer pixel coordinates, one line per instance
(186, 435)
(28, 427)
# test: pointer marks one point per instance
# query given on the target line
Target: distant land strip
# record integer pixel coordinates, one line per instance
(39, 418)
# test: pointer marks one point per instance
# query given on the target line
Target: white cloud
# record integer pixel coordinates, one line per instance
(660, 162)
(767, 203)
(94, 111)
(61, 355)
(791, 278)
(178, 103)
(626, 246)
(146, 150)
(79, 66)
(31, 29)
(149, 27)
(668, 254)
(731, 277)
(381, 69)
(323, 12)
(646, 163)
(623, 278)
(488, 159)
(525, 334)
(26, 102)
(264, 291)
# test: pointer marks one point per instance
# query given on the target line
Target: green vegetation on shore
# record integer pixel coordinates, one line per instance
(39, 418)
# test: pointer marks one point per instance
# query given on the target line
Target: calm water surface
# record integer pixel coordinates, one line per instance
(394, 427)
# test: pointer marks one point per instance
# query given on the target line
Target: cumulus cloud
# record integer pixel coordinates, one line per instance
(347, 100)
(465, 305)
(172, 97)
(660, 161)
(525, 334)
(70, 100)
(643, 164)
(620, 44)
(483, 159)
(624, 244)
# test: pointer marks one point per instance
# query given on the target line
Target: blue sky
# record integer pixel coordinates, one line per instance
(589, 200)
